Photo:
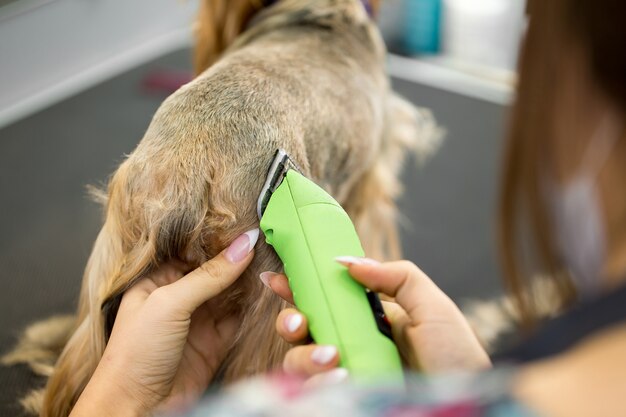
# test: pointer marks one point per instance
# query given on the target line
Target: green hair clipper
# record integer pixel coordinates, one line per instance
(308, 229)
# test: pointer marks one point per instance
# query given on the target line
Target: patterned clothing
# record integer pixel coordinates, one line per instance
(482, 395)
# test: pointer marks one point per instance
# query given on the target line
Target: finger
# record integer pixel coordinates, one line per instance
(213, 276)
(279, 284)
(412, 289)
(166, 273)
(292, 326)
(332, 377)
(397, 317)
(400, 321)
(310, 360)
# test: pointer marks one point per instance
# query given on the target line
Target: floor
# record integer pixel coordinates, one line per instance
(48, 223)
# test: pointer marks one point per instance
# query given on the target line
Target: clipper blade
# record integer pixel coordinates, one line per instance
(280, 165)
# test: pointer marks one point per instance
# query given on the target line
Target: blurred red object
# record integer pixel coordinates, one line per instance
(165, 81)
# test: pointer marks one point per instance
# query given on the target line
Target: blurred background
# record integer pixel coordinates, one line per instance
(81, 79)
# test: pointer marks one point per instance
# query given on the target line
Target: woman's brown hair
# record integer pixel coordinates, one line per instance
(557, 29)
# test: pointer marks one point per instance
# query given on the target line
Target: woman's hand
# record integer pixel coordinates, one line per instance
(168, 339)
(428, 328)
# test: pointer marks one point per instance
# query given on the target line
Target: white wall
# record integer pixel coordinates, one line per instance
(51, 49)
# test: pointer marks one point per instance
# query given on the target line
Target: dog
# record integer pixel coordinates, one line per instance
(307, 76)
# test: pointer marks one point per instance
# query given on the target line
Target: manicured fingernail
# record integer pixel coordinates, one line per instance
(323, 355)
(242, 246)
(266, 276)
(335, 376)
(293, 322)
(355, 260)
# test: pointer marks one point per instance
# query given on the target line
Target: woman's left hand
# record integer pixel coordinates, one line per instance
(168, 339)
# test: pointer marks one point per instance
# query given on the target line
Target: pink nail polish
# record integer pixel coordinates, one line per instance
(335, 376)
(323, 355)
(266, 276)
(242, 246)
(355, 260)
(293, 322)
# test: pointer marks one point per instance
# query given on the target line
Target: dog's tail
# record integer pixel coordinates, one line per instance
(372, 200)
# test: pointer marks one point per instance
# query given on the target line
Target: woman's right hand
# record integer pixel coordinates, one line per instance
(430, 331)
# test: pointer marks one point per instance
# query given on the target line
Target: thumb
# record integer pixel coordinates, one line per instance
(215, 275)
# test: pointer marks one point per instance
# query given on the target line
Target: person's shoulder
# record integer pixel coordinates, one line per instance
(584, 378)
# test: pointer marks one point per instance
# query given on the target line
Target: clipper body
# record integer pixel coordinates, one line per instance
(308, 229)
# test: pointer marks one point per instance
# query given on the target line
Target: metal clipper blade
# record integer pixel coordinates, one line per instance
(278, 169)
